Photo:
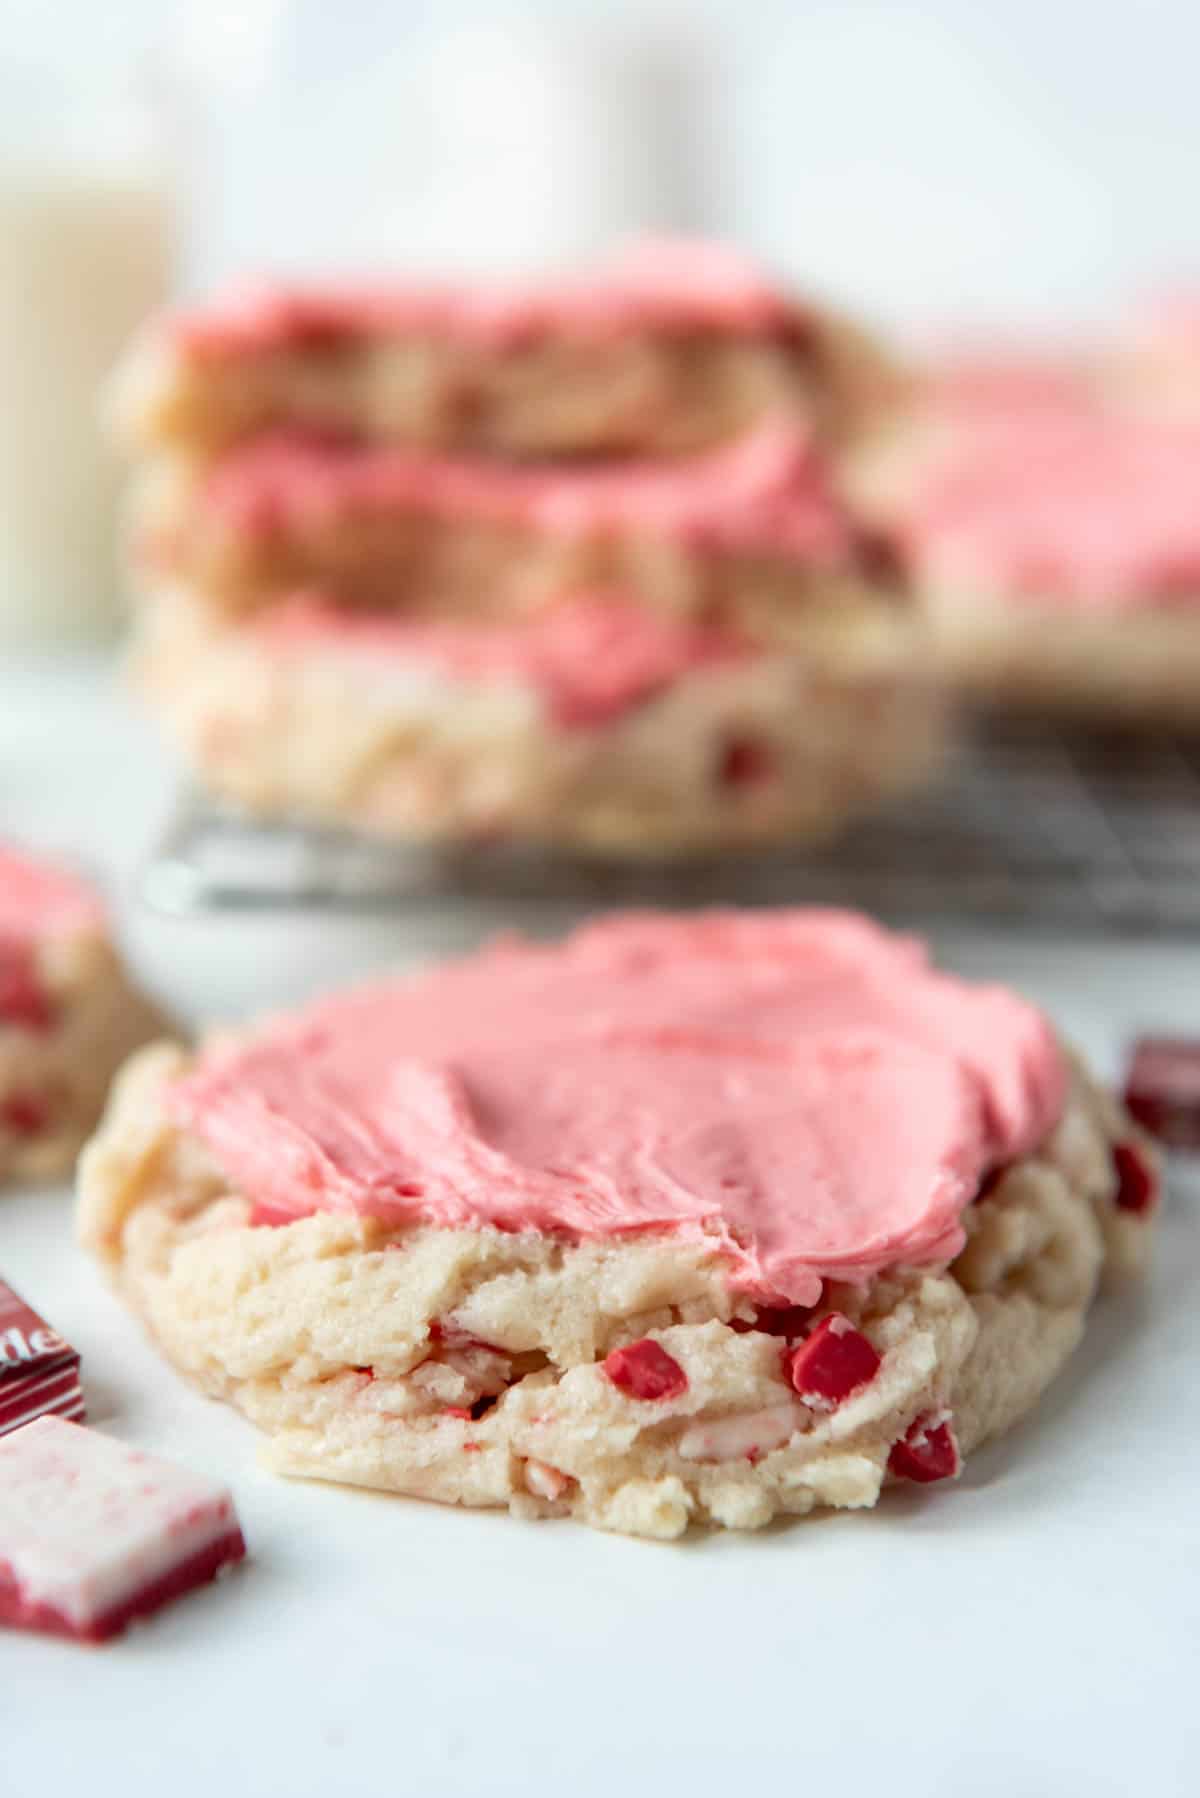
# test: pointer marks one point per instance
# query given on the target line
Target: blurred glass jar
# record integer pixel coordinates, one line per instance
(370, 139)
(85, 256)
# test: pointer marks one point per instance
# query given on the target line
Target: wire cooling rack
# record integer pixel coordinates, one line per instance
(1030, 826)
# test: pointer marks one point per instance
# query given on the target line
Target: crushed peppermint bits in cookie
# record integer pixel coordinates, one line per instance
(545, 1481)
(24, 1001)
(745, 763)
(24, 1114)
(833, 1362)
(670, 1225)
(927, 1451)
(1137, 1181)
(788, 1321)
(645, 1370)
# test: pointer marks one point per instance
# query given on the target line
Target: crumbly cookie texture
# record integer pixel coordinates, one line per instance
(622, 1383)
(637, 395)
(763, 748)
(57, 1060)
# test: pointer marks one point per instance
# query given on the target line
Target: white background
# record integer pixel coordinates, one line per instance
(932, 159)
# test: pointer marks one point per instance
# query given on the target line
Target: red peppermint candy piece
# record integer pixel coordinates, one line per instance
(927, 1451)
(23, 999)
(788, 1321)
(24, 1114)
(1137, 1182)
(745, 763)
(1162, 1089)
(833, 1362)
(645, 1370)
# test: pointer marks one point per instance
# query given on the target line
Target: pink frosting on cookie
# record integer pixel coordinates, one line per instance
(1085, 510)
(655, 286)
(591, 658)
(799, 1089)
(39, 898)
(989, 388)
(768, 492)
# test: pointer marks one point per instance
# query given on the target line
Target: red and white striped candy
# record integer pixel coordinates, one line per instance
(94, 1534)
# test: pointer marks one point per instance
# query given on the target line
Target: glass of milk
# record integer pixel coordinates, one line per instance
(84, 255)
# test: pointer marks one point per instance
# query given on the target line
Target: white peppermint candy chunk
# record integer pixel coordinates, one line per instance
(94, 1534)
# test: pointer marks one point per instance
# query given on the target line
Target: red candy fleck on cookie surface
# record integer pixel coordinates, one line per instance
(745, 762)
(24, 1114)
(927, 1451)
(645, 1370)
(832, 1363)
(1162, 1089)
(1137, 1180)
(788, 1321)
(23, 999)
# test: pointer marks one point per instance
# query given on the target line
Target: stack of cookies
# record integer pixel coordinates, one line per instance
(566, 565)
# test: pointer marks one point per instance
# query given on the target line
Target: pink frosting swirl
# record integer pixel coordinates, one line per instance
(799, 1090)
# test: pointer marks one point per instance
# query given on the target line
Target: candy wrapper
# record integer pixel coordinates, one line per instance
(39, 1371)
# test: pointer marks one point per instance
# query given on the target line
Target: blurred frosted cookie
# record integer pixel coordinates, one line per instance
(1050, 523)
(672, 349)
(68, 1014)
(958, 401)
(1154, 365)
(751, 537)
(699, 1218)
(1059, 561)
(592, 726)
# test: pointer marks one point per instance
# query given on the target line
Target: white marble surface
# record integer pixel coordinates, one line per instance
(1032, 1631)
